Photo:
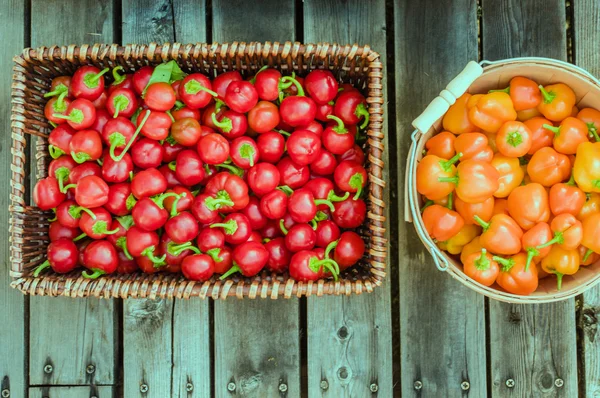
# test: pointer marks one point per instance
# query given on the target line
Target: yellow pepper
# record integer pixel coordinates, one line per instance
(455, 244)
(587, 167)
(492, 111)
(591, 206)
(456, 120)
(473, 246)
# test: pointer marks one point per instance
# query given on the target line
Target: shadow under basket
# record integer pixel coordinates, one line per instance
(32, 74)
(475, 79)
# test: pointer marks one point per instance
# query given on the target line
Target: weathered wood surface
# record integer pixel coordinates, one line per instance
(349, 338)
(166, 342)
(542, 359)
(68, 335)
(442, 324)
(12, 313)
(72, 392)
(252, 362)
(586, 36)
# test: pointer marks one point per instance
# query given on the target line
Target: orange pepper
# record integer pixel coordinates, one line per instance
(528, 205)
(540, 136)
(575, 111)
(513, 276)
(587, 259)
(429, 171)
(568, 232)
(587, 167)
(501, 235)
(561, 262)
(514, 139)
(511, 174)
(558, 101)
(524, 93)
(483, 209)
(441, 145)
(500, 207)
(527, 114)
(591, 118)
(548, 167)
(568, 135)
(473, 146)
(566, 198)
(473, 246)
(591, 233)
(475, 180)
(456, 120)
(481, 267)
(442, 223)
(533, 238)
(591, 205)
(491, 111)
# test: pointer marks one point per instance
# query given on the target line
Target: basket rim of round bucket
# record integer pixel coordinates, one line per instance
(424, 124)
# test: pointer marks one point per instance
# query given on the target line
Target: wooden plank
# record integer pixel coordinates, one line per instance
(71, 392)
(538, 334)
(264, 333)
(88, 325)
(170, 354)
(349, 338)
(12, 312)
(442, 324)
(586, 33)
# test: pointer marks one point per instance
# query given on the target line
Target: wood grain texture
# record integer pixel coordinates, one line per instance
(71, 392)
(257, 343)
(542, 337)
(88, 325)
(442, 323)
(12, 311)
(586, 32)
(171, 353)
(349, 338)
(240, 20)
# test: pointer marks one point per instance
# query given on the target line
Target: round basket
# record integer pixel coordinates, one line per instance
(479, 78)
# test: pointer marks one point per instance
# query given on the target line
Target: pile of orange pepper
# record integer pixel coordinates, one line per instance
(511, 185)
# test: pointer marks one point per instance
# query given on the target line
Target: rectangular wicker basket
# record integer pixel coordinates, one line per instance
(33, 72)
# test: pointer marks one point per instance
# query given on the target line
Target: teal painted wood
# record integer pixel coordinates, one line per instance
(166, 342)
(72, 392)
(586, 36)
(442, 324)
(12, 312)
(350, 337)
(539, 334)
(256, 341)
(89, 325)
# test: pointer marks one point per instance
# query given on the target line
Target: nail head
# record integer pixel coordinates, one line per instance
(510, 383)
(144, 388)
(189, 387)
(373, 387)
(324, 385)
(48, 369)
(343, 373)
(90, 369)
(559, 382)
(231, 386)
(418, 385)
(5, 393)
(283, 387)
(465, 385)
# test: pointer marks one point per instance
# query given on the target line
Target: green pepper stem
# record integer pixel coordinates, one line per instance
(285, 189)
(217, 203)
(507, 264)
(482, 263)
(235, 170)
(231, 270)
(451, 200)
(555, 130)
(559, 278)
(282, 227)
(61, 88)
(332, 197)
(558, 238)
(504, 90)
(453, 180)
(426, 205)
(283, 132)
(224, 124)
(361, 110)
(229, 227)
(296, 83)
(40, 268)
(67, 187)
(174, 211)
(55, 152)
(119, 78)
(149, 252)
(80, 236)
(593, 131)
(447, 164)
(133, 137)
(531, 253)
(587, 255)
(159, 199)
(325, 202)
(340, 128)
(330, 247)
(97, 273)
(483, 224)
(96, 76)
(548, 96)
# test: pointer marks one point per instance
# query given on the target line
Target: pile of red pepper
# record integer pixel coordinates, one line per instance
(513, 183)
(163, 171)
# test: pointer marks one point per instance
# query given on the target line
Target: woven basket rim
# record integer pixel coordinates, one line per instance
(40, 61)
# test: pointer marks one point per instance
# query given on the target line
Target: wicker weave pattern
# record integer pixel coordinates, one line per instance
(33, 72)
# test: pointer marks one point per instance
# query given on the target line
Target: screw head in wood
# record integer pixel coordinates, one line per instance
(324, 385)
(90, 369)
(231, 386)
(418, 385)
(559, 382)
(465, 385)
(510, 383)
(48, 369)
(189, 387)
(5, 393)
(144, 388)
(343, 373)
(283, 387)
(373, 387)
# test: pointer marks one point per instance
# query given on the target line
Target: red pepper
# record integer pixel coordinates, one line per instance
(156, 126)
(302, 205)
(274, 204)
(59, 85)
(356, 154)
(147, 183)
(321, 86)
(160, 96)
(229, 191)
(188, 167)
(102, 117)
(142, 243)
(100, 257)
(279, 255)
(307, 266)
(325, 164)
(117, 133)
(236, 228)
(56, 108)
(268, 84)
(249, 258)
(96, 223)
(327, 231)
(80, 114)
(59, 140)
(351, 107)
(57, 231)
(61, 169)
(213, 149)
(337, 138)
(350, 177)
(85, 145)
(263, 178)
(292, 174)
(120, 199)
(349, 213)
(230, 123)
(123, 102)
(297, 110)
(210, 238)
(186, 112)
(196, 91)
(299, 237)
(149, 214)
(119, 239)
(88, 82)
(198, 267)
(171, 150)
(201, 210)
(244, 152)
(115, 172)
(241, 96)
(349, 249)
(62, 257)
(181, 202)
(303, 147)
(147, 153)
(186, 131)
(182, 227)
(91, 191)
(270, 146)
(68, 213)
(120, 80)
